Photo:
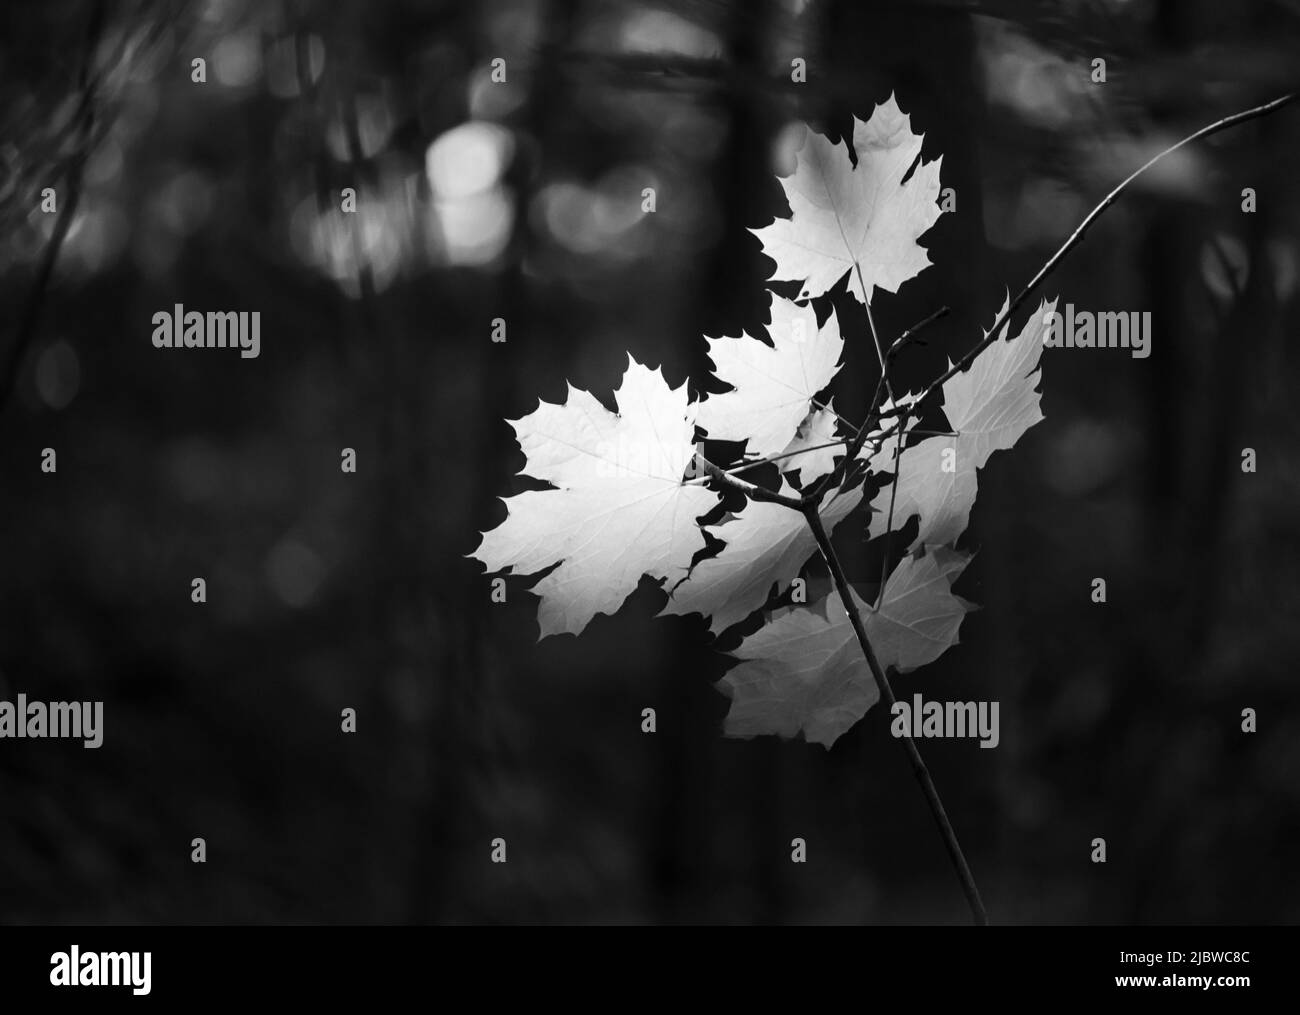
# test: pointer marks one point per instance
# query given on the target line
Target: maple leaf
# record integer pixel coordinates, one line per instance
(989, 406)
(804, 670)
(772, 384)
(766, 544)
(618, 509)
(936, 480)
(844, 217)
(815, 446)
(919, 615)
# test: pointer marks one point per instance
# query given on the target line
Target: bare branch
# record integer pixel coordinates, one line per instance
(1077, 235)
(887, 695)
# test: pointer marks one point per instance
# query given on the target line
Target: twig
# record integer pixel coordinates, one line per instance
(836, 475)
(737, 470)
(750, 490)
(1077, 235)
(910, 334)
(889, 518)
(887, 694)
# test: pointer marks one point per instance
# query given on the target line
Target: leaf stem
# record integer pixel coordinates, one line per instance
(919, 768)
(875, 335)
(845, 422)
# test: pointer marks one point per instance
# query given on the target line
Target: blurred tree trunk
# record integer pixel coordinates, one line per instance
(448, 840)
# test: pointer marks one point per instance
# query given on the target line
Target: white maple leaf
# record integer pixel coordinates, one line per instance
(773, 383)
(766, 544)
(805, 672)
(815, 447)
(994, 401)
(844, 216)
(919, 615)
(989, 406)
(936, 480)
(619, 508)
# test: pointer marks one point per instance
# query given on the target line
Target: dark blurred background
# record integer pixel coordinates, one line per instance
(522, 200)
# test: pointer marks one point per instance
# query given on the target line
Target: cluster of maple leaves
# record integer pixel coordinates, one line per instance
(623, 501)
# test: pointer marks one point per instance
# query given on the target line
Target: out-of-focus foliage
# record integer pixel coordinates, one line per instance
(521, 200)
